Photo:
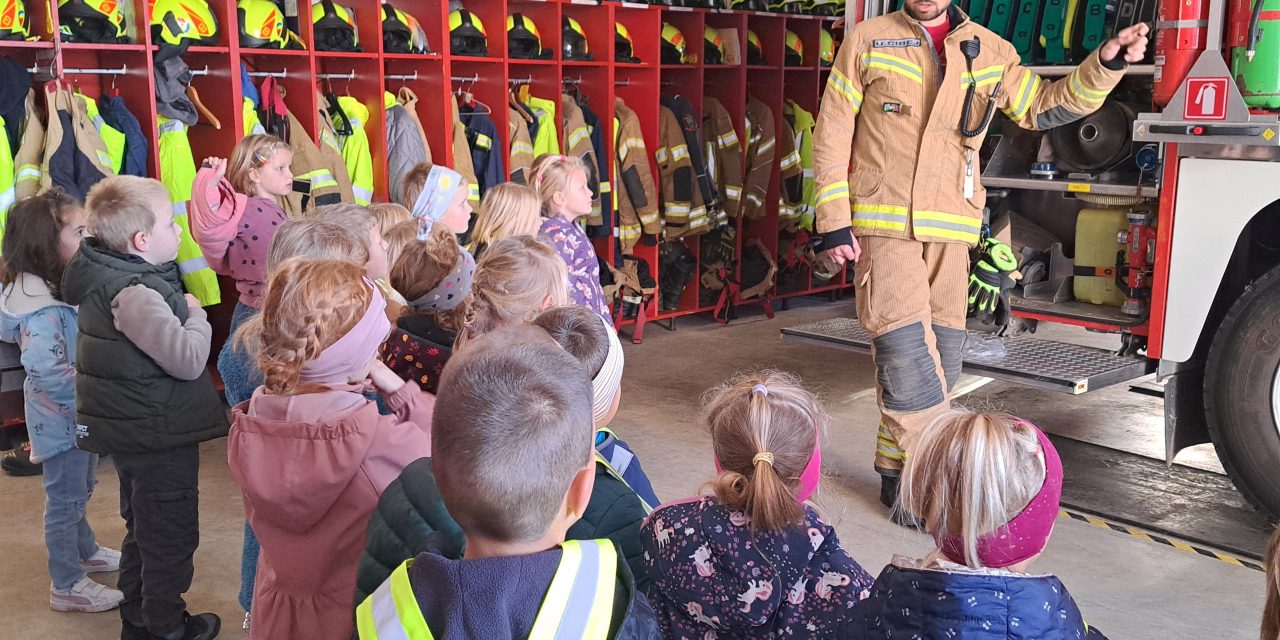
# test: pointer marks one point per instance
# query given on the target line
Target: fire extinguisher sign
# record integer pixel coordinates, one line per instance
(1206, 99)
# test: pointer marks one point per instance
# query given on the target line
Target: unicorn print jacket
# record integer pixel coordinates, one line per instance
(714, 578)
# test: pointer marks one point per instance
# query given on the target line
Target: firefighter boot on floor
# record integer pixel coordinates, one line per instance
(889, 482)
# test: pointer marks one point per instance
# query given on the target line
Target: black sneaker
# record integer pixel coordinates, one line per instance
(202, 626)
(889, 497)
(17, 462)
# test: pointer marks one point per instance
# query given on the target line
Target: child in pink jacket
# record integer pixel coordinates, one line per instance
(310, 452)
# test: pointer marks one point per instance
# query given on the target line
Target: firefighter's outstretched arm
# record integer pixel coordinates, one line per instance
(832, 147)
(1033, 103)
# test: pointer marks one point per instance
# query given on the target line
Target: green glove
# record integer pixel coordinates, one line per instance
(990, 282)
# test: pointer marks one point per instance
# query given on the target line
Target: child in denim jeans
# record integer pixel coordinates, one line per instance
(44, 232)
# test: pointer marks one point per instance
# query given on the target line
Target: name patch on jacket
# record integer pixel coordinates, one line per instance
(896, 44)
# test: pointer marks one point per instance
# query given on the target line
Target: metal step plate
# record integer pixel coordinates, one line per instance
(1059, 366)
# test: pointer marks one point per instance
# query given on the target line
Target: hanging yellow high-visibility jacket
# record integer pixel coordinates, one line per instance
(355, 148)
(178, 173)
(30, 152)
(111, 137)
(7, 175)
(252, 125)
(791, 187)
(545, 140)
(802, 124)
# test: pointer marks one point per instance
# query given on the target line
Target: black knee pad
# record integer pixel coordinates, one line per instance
(950, 352)
(905, 370)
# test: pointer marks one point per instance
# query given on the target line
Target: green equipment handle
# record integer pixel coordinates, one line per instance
(1024, 28)
(1093, 29)
(1051, 41)
(1001, 15)
(978, 11)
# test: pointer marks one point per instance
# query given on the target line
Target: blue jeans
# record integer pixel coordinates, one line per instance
(68, 484)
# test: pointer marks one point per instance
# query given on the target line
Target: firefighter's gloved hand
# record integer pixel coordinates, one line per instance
(990, 282)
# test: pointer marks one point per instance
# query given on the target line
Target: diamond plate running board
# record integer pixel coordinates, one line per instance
(1058, 366)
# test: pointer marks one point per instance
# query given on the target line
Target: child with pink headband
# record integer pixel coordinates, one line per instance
(753, 560)
(310, 452)
(988, 488)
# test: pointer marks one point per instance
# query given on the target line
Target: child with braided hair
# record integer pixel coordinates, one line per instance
(321, 325)
(753, 559)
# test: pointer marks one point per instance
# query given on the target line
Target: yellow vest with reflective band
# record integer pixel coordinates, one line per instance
(7, 178)
(613, 470)
(578, 604)
(111, 137)
(545, 141)
(178, 173)
(355, 150)
(803, 130)
(252, 125)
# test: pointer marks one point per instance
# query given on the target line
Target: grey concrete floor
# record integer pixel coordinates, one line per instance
(1127, 587)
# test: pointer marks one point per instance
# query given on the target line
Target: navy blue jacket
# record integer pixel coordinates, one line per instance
(602, 158)
(115, 113)
(925, 603)
(486, 156)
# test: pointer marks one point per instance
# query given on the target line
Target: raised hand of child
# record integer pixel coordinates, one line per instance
(219, 165)
(192, 302)
(384, 379)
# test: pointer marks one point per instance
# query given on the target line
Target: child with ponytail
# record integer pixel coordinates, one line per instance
(753, 559)
(309, 451)
(987, 487)
(562, 186)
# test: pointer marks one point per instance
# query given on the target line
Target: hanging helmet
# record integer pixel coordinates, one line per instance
(15, 24)
(624, 50)
(673, 45)
(333, 27)
(261, 24)
(573, 39)
(177, 21)
(467, 36)
(100, 22)
(401, 32)
(524, 40)
(755, 52)
(794, 50)
(751, 5)
(826, 48)
(712, 45)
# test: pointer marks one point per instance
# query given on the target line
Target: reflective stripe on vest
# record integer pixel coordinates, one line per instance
(28, 172)
(578, 604)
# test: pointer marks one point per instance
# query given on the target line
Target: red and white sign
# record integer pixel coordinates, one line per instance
(1206, 99)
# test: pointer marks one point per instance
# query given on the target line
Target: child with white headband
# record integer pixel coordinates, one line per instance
(437, 194)
(753, 559)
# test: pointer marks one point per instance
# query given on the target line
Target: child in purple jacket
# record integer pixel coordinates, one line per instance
(562, 185)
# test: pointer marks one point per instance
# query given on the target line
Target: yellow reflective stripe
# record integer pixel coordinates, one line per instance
(391, 612)
(946, 225)
(557, 598)
(894, 64)
(483, 141)
(473, 191)
(521, 147)
(649, 218)
(362, 196)
(577, 136)
(983, 77)
(661, 155)
(629, 231)
(1026, 91)
(880, 216)
(606, 582)
(605, 187)
(678, 152)
(790, 160)
(728, 140)
(6, 198)
(833, 192)
(415, 625)
(844, 87)
(963, 236)
(28, 172)
(733, 193)
(105, 159)
(1086, 93)
(765, 147)
(170, 126)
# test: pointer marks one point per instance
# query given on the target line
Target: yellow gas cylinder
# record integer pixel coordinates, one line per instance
(1098, 244)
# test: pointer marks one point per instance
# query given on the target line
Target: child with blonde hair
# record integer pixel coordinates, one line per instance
(378, 268)
(508, 210)
(562, 187)
(435, 273)
(517, 278)
(987, 487)
(753, 559)
(398, 238)
(235, 211)
(317, 344)
(44, 232)
(389, 214)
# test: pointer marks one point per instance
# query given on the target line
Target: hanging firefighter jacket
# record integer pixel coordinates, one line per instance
(636, 197)
(355, 147)
(462, 156)
(761, 152)
(577, 143)
(724, 157)
(486, 156)
(249, 109)
(605, 228)
(802, 124)
(706, 205)
(30, 152)
(329, 145)
(676, 181)
(112, 138)
(791, 192)
(315, 174)
(544, 139)
(178, 173)
(74, 156)
(521, 146)
(406, 142)
(117, 116)
(7, 175)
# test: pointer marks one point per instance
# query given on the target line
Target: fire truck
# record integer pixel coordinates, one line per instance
(1157, 218)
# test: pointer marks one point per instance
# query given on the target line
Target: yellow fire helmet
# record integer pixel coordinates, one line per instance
(573, 40)
(712, 45)
(333, 27)
(673, 45)
(755, 52)
(524, 40)
(826, 48)
(261, 25)
(467, 36)
(15, 24)
(794, 50)
(99, 21)
(624, 49)
(401, 32)
(177, 21)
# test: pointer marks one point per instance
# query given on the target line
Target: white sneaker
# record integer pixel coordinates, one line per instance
(103, 559)
(86, 595)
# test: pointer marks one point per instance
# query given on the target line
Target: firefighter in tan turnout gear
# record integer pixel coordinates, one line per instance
(898, 186)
